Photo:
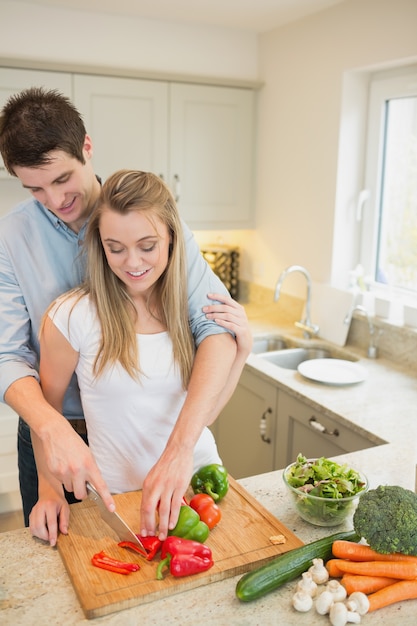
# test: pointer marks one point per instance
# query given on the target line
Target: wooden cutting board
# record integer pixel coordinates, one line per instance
(240, 542)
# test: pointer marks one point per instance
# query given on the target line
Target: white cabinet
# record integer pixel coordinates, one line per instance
(264, 428)
(127, 120)
(302, 429)
(199, 138)
(211, 154)
(9, 477)
(246, 429)
(13, 81)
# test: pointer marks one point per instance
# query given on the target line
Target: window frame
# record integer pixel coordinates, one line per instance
(382, 87)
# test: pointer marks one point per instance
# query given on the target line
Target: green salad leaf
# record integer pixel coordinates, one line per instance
(324, 478)
(327, 479)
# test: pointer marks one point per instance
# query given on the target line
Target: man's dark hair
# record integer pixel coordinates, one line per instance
(36, 121)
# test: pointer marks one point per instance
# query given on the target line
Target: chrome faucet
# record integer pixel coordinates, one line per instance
(305, 324)
(372, 351)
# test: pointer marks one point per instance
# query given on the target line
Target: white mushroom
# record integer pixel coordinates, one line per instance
(338, 590)
(358, 602)
(339, 615)
(302, 601)
(324, 602)
(319, 572)
(307, 584)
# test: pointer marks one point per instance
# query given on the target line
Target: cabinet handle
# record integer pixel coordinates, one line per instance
(315, 424)
(262, 426)
(177, 187)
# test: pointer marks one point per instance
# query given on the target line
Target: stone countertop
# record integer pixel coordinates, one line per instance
(382, 407)
(35, 588)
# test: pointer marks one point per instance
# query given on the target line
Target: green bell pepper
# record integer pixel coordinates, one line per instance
(190, 526)
(211, 479)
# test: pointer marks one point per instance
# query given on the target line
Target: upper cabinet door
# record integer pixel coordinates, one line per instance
(127, 120)
(12, 81)
(211, 154)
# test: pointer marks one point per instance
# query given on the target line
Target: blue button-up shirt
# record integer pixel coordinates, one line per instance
(41, 258)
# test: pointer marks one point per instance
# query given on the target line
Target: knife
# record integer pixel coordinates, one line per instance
(116, 523)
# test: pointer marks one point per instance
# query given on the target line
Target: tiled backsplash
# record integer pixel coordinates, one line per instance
(395, 343)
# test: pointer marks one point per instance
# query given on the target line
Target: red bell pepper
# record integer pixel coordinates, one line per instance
(184, 557)
(104, 561)
(207, 509)
(151, 544)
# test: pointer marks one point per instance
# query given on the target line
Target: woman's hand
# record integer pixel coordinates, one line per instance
(163, 491)
(48, 516)
(231, 315)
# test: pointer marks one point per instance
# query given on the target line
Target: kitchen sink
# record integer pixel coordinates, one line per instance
(291, 358)
(288, 352)
(270, 343)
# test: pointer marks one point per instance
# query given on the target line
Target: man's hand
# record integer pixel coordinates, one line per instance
(60, 452)
(49, 516)
(71, 461)
(231, 315)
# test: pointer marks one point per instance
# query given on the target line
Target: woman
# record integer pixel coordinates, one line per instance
(125, 333)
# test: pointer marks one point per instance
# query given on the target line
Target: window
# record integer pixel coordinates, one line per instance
(389, 217)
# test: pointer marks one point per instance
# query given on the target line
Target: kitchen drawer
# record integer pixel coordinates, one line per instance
(8, 430)
(8, 420)
(9, 475)
(303, 429)
(245, 430)
(8, 472)
(8, 444)
(9, 482)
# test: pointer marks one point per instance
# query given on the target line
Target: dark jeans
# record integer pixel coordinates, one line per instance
(28, 476)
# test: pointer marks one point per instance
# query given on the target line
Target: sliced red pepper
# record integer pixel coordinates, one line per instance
(104, 561)
(152, 546)
(207, 509)
(184, 557)
(110, 568)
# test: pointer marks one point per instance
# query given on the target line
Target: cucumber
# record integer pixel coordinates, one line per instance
(287, 566)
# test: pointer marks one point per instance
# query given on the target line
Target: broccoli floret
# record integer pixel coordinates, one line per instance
(386, 517)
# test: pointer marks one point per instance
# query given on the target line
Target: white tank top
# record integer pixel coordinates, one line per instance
(128, 421)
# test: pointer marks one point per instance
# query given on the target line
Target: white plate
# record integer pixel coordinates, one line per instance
(333, 371)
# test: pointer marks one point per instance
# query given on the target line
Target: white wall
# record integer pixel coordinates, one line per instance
(54, 35)
(68, 36)
(306, 67)
(307, 172)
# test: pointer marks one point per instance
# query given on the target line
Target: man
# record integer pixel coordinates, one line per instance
(44, 143)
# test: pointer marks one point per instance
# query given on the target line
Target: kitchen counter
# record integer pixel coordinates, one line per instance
(35, 588)
(381, 408)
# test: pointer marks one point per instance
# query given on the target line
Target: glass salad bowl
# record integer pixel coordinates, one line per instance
(323, 492)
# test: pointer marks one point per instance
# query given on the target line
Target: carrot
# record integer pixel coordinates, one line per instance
(365, 584)
(333, 569)
(360, 552)
(402, 590)
(390, 569)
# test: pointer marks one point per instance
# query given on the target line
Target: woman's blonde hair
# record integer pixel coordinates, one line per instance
(123, 192)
